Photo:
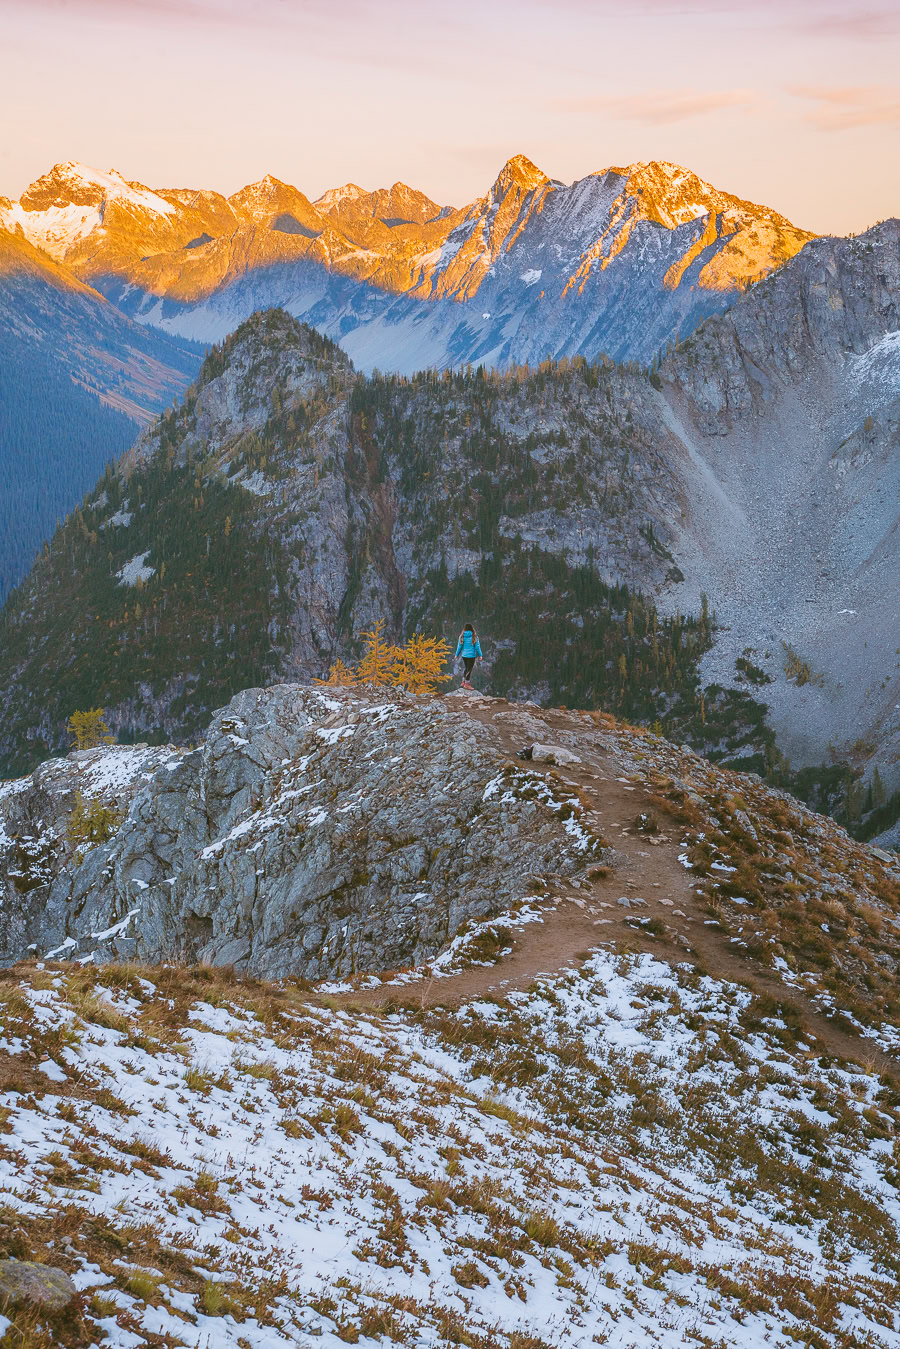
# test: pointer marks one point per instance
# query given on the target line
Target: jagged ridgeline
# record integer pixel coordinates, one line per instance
(261, 525)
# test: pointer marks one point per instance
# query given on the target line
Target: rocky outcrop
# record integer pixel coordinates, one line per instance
(26, 1285)
(314, 833)
(36, 842)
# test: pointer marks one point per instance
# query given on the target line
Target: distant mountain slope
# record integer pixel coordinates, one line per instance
(44, 413)
(45, 307)
(788, 409)
(619, 262)
(77, 381)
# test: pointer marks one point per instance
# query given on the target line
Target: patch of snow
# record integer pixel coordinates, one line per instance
(122, 518)
(52, 1070)
(116, 929)
(69, 944)
(332, 734)
(135, 569)
(56, 229)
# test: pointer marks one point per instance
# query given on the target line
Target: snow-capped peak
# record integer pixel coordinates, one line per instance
(335, 195)
(518, 172)
(75, 184)
(70, 202)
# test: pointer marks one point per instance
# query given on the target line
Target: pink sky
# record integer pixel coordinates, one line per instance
(794, 103)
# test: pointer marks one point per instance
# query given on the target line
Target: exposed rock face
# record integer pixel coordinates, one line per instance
(390, 206)
(25, 1284)
(788, 408)
(310, 835)
(618, 262)
(34, 817)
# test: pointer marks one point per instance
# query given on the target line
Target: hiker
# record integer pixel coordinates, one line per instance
(469, 648)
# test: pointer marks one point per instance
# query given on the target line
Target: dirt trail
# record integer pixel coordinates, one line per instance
(580, 918)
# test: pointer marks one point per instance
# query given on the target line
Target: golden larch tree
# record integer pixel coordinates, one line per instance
(339, 676)
(379, 658)
(419, 665)
(89, 729)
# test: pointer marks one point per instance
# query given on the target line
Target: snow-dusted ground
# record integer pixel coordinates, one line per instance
(627, 1156)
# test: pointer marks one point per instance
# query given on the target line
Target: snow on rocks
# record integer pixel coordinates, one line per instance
(135, 570)
(319, 833)
(35, 848)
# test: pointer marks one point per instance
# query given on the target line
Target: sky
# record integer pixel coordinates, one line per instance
(794, 104)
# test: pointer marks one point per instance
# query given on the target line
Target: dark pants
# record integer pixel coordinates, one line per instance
(468, 666)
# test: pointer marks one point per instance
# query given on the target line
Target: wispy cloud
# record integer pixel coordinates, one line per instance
(291, 14)
(841, 109)
(866, 25)
(822, 18)
(659, 108)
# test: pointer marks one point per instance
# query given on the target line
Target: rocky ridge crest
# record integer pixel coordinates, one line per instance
(315, 833)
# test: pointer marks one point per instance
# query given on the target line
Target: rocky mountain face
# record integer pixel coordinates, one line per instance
(589, 519)
(310, 834)
(77, 381)
(619, 262)
(789, 408)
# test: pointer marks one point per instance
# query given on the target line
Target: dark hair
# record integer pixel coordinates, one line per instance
(468, 628)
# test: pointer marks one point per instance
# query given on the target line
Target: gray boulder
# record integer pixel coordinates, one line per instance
(24, 1283)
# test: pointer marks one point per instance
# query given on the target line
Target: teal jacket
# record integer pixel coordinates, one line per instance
(468, 645)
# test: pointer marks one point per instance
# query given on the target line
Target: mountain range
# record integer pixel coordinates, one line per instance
(711, 543)
(618, 262)
(104, 282)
